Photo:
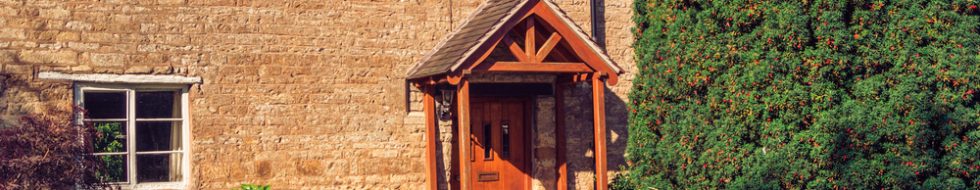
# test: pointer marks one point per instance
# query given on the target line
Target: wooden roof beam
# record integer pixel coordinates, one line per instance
(549, 67)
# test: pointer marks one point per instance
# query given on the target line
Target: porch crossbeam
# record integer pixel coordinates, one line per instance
(551, 67)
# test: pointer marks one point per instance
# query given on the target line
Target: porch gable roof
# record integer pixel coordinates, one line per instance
(477, 30)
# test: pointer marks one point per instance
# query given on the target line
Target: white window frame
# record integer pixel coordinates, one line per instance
(130, 121)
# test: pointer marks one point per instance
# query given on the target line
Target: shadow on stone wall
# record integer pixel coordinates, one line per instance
(19, 97)
(581, 159)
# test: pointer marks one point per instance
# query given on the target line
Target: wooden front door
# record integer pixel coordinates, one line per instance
(499, 144)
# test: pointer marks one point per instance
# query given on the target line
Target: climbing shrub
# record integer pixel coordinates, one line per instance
(43, 152)
(819, 94)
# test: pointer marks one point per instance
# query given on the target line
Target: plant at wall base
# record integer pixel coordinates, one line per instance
(820, 94)
(255, 187)
(48, 153)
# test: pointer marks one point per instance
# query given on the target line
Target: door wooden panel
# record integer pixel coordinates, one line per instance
(499, 147)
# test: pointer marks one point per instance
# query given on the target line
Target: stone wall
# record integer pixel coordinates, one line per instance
(617, 36)
(296, 94)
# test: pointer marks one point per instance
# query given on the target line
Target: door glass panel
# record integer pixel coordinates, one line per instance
(505, 129)
(488, 142)
(158, 167)
(105, 105)
(158, 135)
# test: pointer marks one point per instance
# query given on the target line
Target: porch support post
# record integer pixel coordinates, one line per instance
(599, 116)
(463, 103)
(429, 106)
(560, 135)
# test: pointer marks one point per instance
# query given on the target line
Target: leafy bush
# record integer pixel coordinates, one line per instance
(255, 187)
(49, 153)
(110, 138)
(820, 94)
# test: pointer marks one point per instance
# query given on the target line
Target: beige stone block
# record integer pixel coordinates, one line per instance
(107, 59)
(81, 68)
(48, 35)
(54, 13)
(51, 46)
(24, 44)
(25, 23)
(8, 11)
(79, 25)
(121, 23)
(309, 167)
(171, 2)
(83, 46)
(12, 33)
(163, 69)
(53, 57)
(99, 37)
(68, 36)
(139, 70)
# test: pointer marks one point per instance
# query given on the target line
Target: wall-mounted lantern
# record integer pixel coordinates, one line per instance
(447, 93)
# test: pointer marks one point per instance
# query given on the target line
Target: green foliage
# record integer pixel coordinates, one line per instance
(255, 187)
(110, 138)
(817, 94)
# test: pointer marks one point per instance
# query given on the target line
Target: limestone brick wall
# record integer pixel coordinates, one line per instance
(296, 94)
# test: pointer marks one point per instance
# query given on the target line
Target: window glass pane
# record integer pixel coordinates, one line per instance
(103, 105)
(115, 168)
(110, 136)
(158, 135)
(158, 167)
(161, 104)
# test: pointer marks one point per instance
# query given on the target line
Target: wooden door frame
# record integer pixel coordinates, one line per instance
(461, 112)
(528, 102)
